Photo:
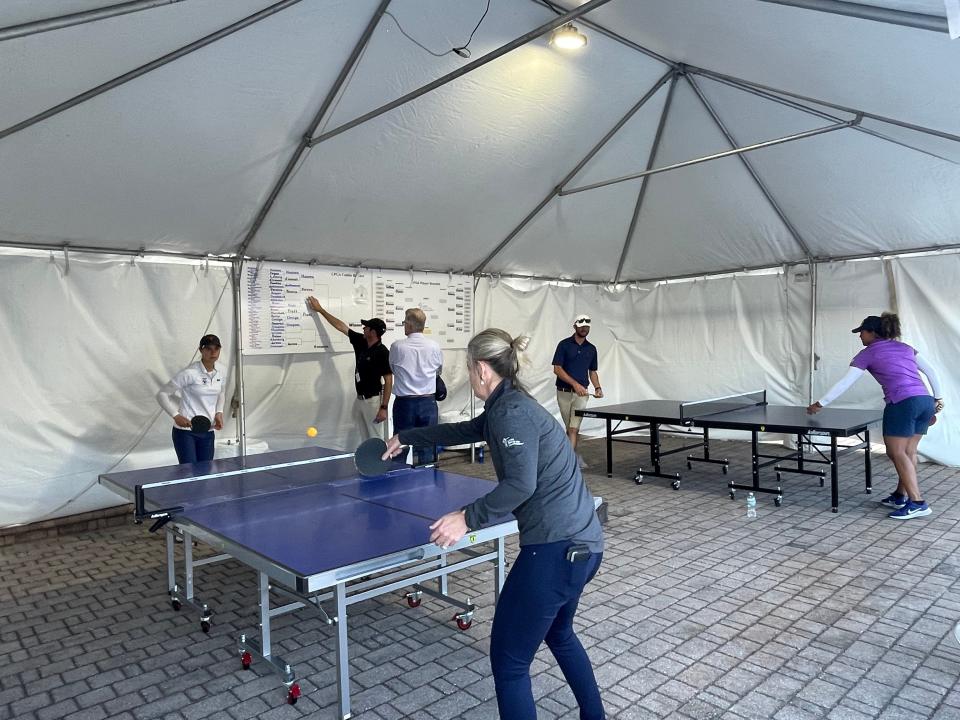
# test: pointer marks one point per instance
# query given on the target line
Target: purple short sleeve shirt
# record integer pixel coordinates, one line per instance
(893, 364)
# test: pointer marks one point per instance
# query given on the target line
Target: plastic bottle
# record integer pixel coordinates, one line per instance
(751, 506)
(480, 453)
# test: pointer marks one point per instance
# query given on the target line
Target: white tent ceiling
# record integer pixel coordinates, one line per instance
(183, 157)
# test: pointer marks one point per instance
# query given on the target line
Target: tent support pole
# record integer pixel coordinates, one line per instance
(573, 173)
(651, 158)
(238, 396)
(750, 169)
(813, 330)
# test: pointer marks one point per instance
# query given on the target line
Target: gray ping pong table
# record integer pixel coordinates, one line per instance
(749, 412)
(313, 530)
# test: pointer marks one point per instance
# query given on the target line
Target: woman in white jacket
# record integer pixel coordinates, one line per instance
(198, 391)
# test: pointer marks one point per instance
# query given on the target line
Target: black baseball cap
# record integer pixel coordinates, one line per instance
(210, 341)
(375, 324)
(873, 323)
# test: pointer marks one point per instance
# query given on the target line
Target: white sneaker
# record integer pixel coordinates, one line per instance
(581, 464)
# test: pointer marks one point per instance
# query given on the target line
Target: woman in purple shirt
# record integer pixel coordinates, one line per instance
(910, 409)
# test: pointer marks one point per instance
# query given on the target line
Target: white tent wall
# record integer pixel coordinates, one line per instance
(85, 343)
(707, 337)
(926, 291)
(285, 394)
(87, 340)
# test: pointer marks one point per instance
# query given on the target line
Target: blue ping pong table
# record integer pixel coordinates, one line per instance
(314, 530)
(749, 412)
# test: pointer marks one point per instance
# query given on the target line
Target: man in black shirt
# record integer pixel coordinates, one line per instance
(372, 377)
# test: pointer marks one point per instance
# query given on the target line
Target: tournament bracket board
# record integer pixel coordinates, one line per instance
(445, 298)
(275, 318)
(274, 314)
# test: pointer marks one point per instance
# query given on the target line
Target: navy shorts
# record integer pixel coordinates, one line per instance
(908, 417)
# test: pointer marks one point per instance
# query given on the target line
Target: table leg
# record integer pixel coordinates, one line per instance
(343, 659)
(867, 462)
(834, 475)
(501, 574)
(609, 448)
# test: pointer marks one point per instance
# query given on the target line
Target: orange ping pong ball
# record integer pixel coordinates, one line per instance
(311, 431)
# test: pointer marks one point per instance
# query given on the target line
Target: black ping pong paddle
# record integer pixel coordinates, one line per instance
(369, 458)
(200, 423)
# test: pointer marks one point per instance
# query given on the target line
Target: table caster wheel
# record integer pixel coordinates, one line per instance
(463, 623)
(778, 500)
(689, 465)
(675, 484)
(205, 625)
(293, 694)
(724, 469)
(246, 659)
(733, 494)
(413, 600)
(175, 604)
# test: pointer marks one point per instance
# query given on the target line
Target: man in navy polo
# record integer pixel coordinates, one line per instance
(574, 361)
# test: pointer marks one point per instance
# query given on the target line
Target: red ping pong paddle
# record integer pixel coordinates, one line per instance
(933, 421)
(369, 458)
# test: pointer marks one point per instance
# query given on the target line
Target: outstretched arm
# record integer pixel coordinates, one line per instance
(853, 374)
(332, 319)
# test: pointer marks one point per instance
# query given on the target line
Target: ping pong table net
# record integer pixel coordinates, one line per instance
(690, 411)
(170, 498)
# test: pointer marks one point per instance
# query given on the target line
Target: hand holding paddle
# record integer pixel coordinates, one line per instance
(371, 458)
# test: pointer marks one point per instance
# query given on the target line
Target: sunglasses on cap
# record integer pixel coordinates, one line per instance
(582, 321)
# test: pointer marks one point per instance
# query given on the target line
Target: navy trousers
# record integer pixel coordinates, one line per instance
(538, 602)
(193, 447)
(414, 412)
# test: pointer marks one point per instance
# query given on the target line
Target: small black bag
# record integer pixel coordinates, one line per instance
(441, 392)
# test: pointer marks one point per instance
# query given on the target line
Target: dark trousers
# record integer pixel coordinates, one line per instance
(538, 602)
(415, 412)
(193, 447)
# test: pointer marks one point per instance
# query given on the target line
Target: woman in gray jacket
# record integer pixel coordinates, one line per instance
(561, 541)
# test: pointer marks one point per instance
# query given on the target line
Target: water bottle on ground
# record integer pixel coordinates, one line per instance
(751, 505)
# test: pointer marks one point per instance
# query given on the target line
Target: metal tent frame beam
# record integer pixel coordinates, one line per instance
(304, 143)
(716, 156)
(791, 228)
(920, 21)
(642, 193)
(573, 173)
(79, 18)
(148, 67)
(469, 67)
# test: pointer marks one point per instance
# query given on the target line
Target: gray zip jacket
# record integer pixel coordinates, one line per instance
(538, 478)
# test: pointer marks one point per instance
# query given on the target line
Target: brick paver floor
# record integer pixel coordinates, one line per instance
(697, 612)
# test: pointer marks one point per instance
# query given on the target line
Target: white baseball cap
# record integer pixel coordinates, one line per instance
(581, 319)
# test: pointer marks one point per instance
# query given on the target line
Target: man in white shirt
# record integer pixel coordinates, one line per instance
(416, 361)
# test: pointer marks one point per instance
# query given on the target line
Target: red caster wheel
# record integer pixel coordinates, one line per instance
(462, 623)
(246, 659)
(294, 694)
(413, 601)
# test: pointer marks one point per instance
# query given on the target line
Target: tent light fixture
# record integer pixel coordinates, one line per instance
(567, 37)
